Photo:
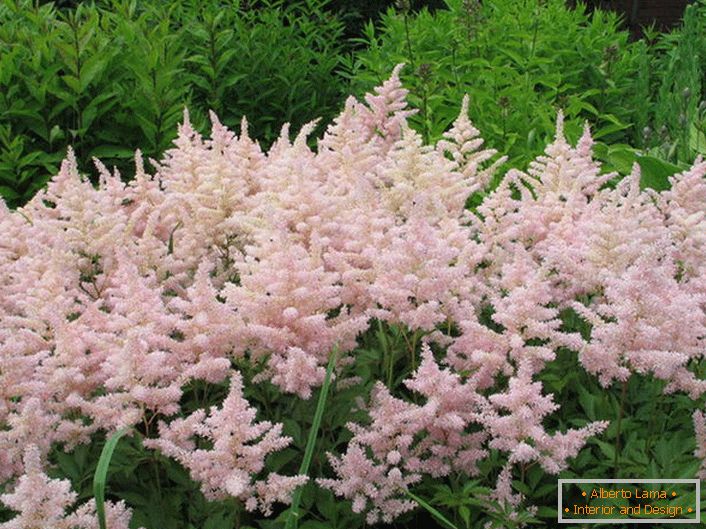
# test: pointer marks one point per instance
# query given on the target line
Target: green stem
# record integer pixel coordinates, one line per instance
(388, 358)
(293, 516)
(454, 65)
(155, 466)
(445, 522)
(425, 111)
(411, 346)
(623, 395)
(409, 41)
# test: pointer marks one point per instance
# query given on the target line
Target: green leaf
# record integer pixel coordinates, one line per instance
(622, 159)
(68, 465)
(219, 521)
(91, 69)
(277, 460)
(655, 173)
(72, 82)
(101, 475)
(293, 514)
(465, 514)
(55, 134)
(607, 449)
(431, 510)
(111, 151)
(8, 193)
(516, 57)
(588, 402)
(609, 129)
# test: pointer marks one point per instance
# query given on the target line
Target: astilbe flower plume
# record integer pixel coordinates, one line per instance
(49, 503)
(285, 296)
(114, 297)
(406, 440)
(237, 456)
(683, 208)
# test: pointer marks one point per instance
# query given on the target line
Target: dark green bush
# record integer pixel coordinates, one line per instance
(116, 76)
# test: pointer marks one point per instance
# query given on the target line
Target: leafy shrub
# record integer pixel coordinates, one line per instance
(676, 100)
(519, 61)
(556, 329)
(108, 79)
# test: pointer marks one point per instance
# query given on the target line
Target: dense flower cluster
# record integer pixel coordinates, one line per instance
(238, 451)
(42, 502)
(113, 298)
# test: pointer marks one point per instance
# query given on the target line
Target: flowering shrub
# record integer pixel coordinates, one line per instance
(114, 299)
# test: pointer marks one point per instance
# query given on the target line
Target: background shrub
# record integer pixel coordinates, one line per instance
(519, 61)
(676, 77)
(112, 77)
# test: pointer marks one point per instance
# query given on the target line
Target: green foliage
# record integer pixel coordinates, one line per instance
(620, 158)
(113, 77)
(273, 65)
(676, 77)
(519, 61)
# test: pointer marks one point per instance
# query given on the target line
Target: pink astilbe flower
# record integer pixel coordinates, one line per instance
(43, 502)
(141, 369)
(415, 178)
(386, 113)
(480, 353)
(211, 333)
(371, 486)
(522, 304)
(503, 492)
(558, 187)
(423, 277)
(514, 422)
(406, 441)
(683, 208)
(521, 296)
(285, 298)
(239, 448)
(610, 234)
(646, 323)
(195, 172)
(462, 142)
(29, 425)
(296, 196)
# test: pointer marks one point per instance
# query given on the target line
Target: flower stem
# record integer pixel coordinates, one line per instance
(623, 395)
(293, 515)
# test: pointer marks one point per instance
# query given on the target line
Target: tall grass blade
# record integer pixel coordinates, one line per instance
(293, 516)
(436, 514)
(101, 474)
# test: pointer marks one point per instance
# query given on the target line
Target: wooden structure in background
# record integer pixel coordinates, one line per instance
(665, 14)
